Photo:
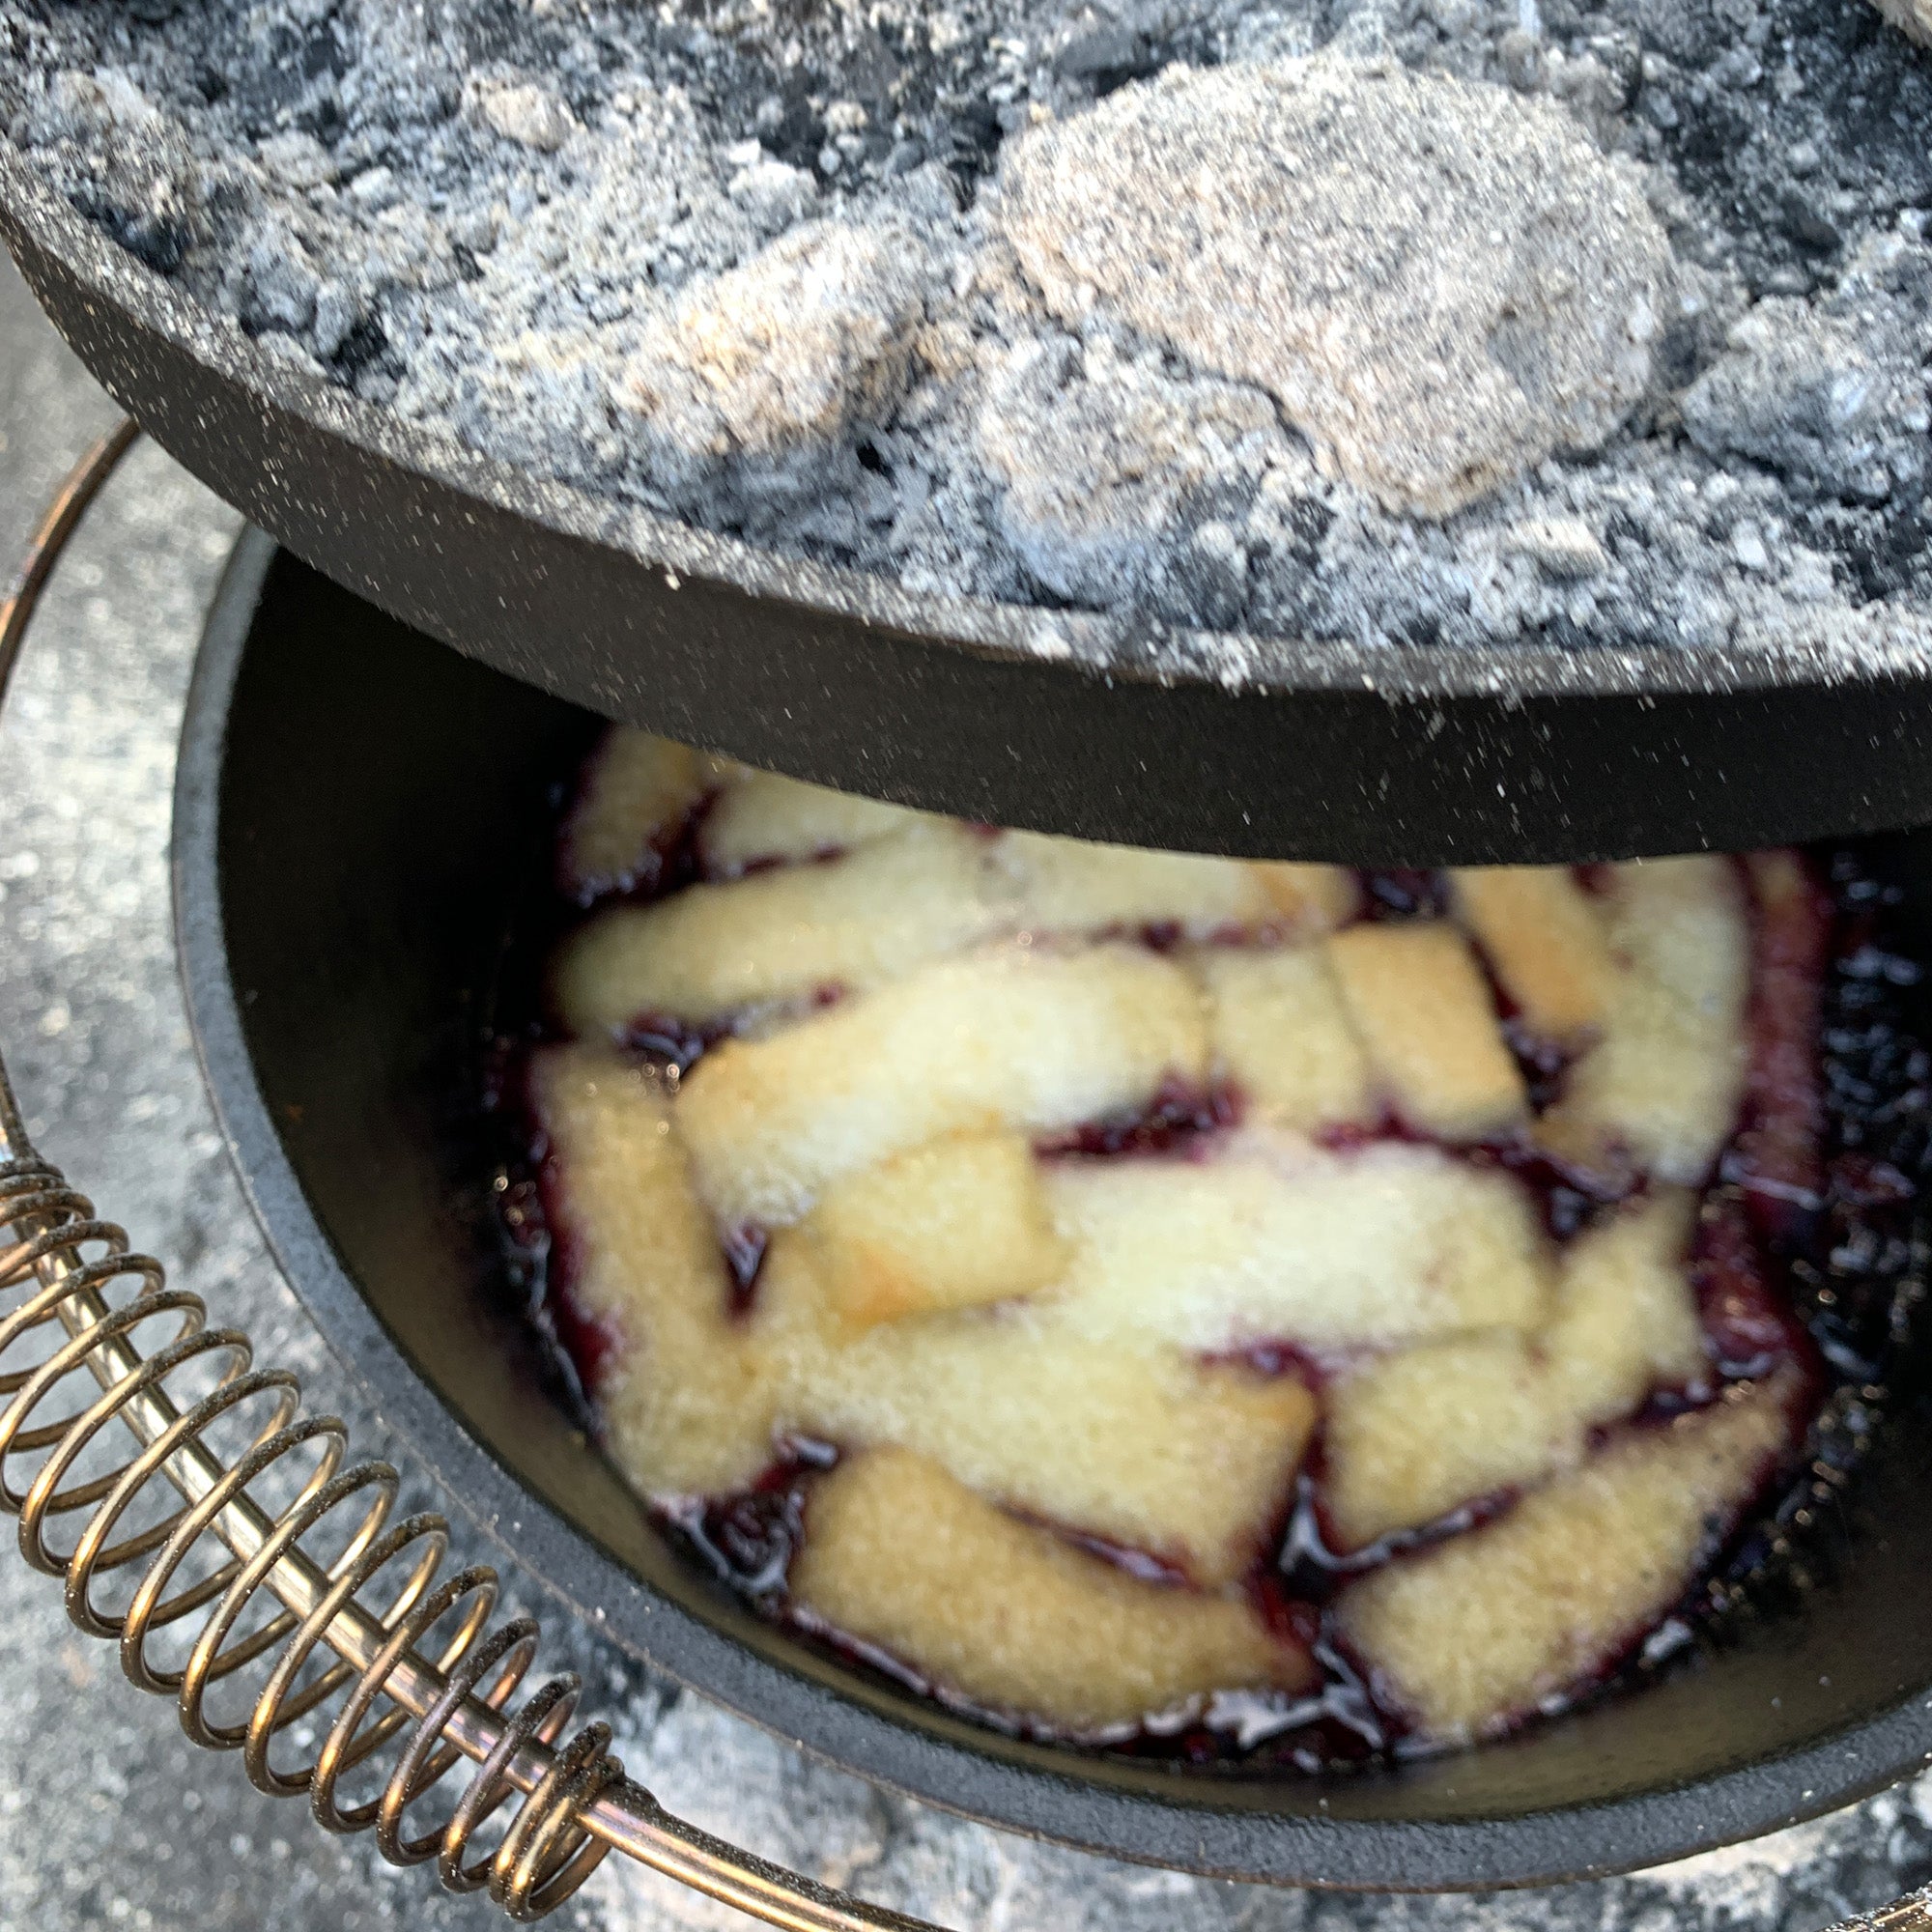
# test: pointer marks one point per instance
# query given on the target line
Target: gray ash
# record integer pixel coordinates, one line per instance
(828, 279)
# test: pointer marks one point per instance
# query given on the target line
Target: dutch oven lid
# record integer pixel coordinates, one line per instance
(1018, 715)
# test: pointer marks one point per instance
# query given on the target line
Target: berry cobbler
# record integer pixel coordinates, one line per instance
(1182, 1303)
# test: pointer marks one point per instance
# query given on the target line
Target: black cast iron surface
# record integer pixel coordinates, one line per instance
(345, 875)
(1396, 757)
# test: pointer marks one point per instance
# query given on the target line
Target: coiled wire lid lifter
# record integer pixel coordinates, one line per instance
(72, 1298)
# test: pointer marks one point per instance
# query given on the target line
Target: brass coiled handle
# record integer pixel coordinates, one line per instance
(60, 1268)
(186, 1517)
(236, 1510)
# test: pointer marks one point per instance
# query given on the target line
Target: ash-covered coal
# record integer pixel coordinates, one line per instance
(1425, 321)
(1439, 284)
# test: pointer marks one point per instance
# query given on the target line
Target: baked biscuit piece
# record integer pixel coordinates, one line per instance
(1264, 1240)
(1073, 885)
(637, 793)
(1309, 899)
(1016, 1037)
(1544, 941)
(689, 1402)
(912, 888)
(899, 1554)
(1480, 1630)
(1283, 1037)
(1418, 1434)
(1415, 1434)
(709, 951)
(1138, 1445)
(1420, 1006)
(953, 1224)
(765, 817)
(1627, 1320)
(1660, 1089)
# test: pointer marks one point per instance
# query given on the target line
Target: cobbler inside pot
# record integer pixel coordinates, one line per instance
(1266, 1313)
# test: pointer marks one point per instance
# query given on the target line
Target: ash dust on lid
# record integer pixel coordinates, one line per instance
(1365, 322)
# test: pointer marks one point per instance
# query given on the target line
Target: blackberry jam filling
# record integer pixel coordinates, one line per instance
(1263, 1316)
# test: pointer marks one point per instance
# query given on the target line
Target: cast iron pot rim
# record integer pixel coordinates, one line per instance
(1082, 645)
(1624, 1835)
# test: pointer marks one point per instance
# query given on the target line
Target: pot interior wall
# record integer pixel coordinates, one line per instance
(381, 811)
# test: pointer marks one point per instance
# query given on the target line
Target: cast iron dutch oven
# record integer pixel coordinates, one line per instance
(360, 815)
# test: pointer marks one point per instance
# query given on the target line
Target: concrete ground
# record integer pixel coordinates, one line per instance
(108, 1817)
